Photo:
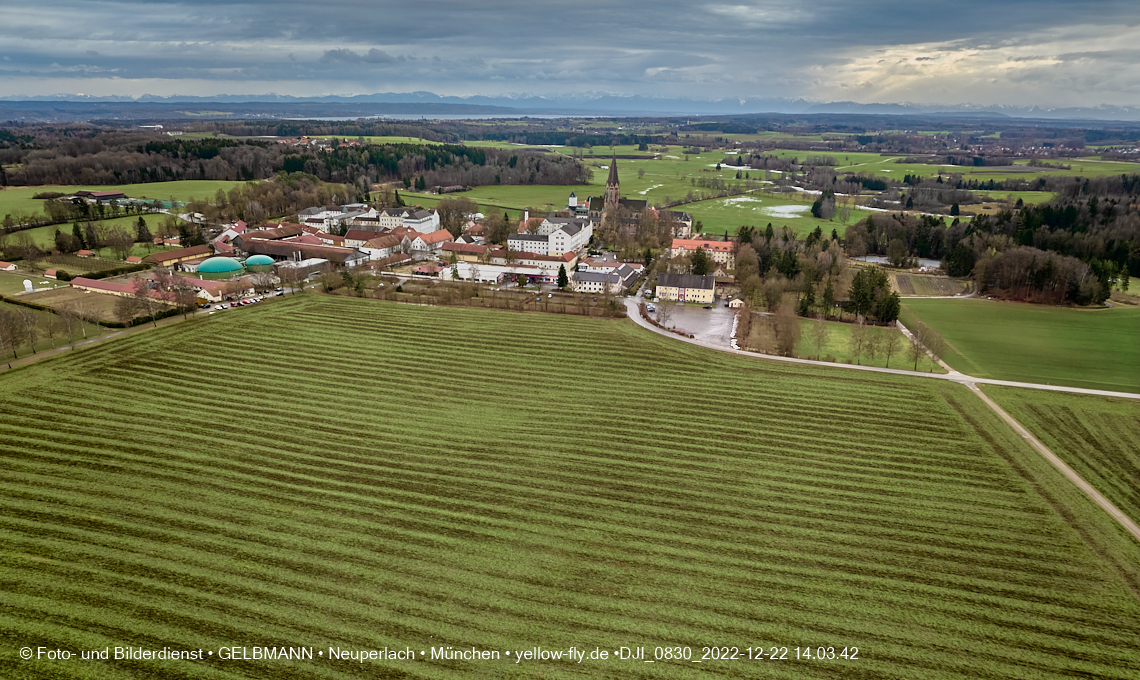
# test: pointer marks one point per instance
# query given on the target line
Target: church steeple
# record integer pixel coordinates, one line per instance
(613, 186)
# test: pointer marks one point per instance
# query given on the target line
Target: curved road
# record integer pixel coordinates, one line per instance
(631, 305)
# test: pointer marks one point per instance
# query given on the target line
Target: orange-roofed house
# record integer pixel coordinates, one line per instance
(721, 252)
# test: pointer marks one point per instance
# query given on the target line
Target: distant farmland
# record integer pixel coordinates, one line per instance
(365, 474)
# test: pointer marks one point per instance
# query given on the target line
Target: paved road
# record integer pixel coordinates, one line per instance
(954, 376)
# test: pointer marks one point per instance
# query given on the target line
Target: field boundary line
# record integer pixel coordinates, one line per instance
(1124, 520)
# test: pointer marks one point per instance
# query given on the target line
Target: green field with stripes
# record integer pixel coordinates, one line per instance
(1099, 437)
(325, 472)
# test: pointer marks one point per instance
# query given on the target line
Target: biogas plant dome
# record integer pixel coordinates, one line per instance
(220, 266)
(257, 261)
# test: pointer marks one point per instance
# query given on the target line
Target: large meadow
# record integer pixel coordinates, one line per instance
(364, 474)
(1092, 348)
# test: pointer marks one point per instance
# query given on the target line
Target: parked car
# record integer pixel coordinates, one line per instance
(651, 308)
(708, 306)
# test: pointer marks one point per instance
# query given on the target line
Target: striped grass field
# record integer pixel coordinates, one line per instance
(342, 472)
(1099, 437)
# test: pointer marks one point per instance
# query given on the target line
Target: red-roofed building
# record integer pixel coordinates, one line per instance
(310, 239)
(134, 259)
(173, 257)
(49, 273)
(119, 289)
(467, 252)
(355, 238)
(428, 245)
(8, 267)
(721, 252)
(85, 253)
(332, 239)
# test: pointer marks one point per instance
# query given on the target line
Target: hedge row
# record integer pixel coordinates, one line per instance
(107, 273)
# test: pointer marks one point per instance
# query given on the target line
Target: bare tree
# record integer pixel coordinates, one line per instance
(665, 310)
(934, 344)
(916, 350)
(147, 302)
(773, 292)
(30, 320)
(68, 318)
(819, 333)
(263, 280)
(892, 344)
(53, 327)
(127, 307)
(874, 344)
(787, 326)
(858, 339)
(120, 242)
(11, 332)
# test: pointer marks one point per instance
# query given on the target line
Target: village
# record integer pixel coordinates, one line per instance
(239, 264)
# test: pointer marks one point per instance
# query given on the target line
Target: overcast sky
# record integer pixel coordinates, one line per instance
(1014, 52)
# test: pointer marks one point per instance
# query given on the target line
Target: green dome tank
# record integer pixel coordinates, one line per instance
(219, 268)
(258, 260)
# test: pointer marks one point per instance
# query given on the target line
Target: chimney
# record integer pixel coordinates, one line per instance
(526, 217)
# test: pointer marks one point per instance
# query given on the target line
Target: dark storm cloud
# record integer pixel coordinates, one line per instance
(699, 48)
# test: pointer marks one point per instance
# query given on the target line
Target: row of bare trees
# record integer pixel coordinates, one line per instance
(23, 327)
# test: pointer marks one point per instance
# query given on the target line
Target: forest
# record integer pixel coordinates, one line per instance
(1072, 249)
(81, 154)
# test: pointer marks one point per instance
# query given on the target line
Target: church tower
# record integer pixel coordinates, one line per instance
(613, 187)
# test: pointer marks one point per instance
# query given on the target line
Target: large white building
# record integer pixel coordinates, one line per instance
(556, 236)
(613, 281)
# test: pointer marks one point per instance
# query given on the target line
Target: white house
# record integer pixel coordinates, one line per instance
(382, 247)
(567, 238)
(423, 246)
(615, 280)
(494, 273)
(423, 221)
(7, 267)
(529, 243)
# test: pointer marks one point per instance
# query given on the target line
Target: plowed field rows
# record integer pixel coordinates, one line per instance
(1099, 437)
(334, 472)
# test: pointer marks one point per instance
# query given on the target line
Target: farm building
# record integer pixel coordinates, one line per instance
(170, 258)
(85, 253)
(686, 287)
(285, 230)
(7, 267)
(100, 196)
(283, 250)
(215, 291)
(110, 288)
(49, 273)
(303, 269)
(133, 259)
